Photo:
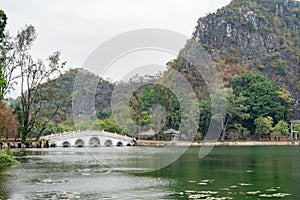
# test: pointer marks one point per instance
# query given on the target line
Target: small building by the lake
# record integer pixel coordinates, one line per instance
(172, 134)
(146, 135)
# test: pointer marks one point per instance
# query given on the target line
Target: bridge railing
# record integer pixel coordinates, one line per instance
(77, 133)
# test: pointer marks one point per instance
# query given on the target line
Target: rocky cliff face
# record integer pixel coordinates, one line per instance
(259, 35)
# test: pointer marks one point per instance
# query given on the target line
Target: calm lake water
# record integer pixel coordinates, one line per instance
(105, 173)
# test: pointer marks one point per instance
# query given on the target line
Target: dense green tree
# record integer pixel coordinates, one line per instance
(263, 98)
(103, 114)
(107, 124)
(205, 114)
(96, 125)
(3, 83)
(110, 125)
(3, 20)
(263, 125)
(236, 111)
(239, 132)
(143, 100)
(281, 128)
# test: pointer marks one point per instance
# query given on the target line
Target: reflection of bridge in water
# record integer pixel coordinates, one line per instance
(88, 139)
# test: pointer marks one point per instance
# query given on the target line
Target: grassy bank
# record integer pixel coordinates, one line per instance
(6, 160)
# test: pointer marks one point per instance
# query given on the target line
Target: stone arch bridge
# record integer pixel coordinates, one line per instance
(88, 139)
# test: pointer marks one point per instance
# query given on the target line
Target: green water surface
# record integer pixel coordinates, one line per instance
(226, 173)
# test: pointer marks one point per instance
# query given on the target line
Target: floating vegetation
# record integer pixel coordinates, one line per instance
(208, 192)
(208, 195)
(278, 195)
(231, 192)
(245, 184)
(253, 192)
(200, 192)
(281, 194)
(271, 190)
(201, 196)
(224, 189)
(208, 180)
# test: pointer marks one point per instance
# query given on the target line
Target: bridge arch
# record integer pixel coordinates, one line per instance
(79, 143)
(108, 143)
(53, 144)
(94, 142)
(119, 144)
(66, 144)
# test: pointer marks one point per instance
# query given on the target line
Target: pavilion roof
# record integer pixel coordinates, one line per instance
(150, 132)
(170, 131)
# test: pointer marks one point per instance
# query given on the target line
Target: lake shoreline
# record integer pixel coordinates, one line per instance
(216, 143)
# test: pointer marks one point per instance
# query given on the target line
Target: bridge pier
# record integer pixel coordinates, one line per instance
(19, 145)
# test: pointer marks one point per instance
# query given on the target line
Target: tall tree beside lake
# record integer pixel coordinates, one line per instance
(33, 107)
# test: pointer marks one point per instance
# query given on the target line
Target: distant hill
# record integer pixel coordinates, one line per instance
(62, 86)
(257, 35)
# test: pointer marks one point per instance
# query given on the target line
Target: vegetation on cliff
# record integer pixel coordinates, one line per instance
(256, 35)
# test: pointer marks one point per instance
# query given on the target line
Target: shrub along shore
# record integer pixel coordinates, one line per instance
(6, 159)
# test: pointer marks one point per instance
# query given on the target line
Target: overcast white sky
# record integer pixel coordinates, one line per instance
(77, 27)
